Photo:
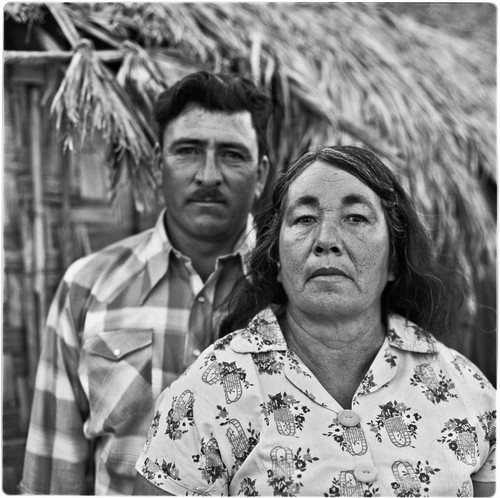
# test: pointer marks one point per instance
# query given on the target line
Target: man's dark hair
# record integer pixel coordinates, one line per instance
(418, 292)
(215, 92)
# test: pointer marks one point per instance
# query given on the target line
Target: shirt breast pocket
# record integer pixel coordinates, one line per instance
(118, 366)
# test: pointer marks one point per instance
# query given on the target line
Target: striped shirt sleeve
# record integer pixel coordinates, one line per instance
(57, 458)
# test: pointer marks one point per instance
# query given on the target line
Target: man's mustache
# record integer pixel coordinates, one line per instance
(209, 194)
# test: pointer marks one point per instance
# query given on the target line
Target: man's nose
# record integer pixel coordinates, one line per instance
(208, 174)
(327, 239)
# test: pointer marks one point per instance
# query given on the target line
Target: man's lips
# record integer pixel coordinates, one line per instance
(206, 199)
(328, 271)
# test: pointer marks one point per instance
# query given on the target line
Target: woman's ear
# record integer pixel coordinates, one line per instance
(278, 276)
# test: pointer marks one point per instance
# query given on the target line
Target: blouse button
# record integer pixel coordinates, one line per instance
(196, 353)
(117, 352)
(348, 418)
(201, 299)
(365, 472)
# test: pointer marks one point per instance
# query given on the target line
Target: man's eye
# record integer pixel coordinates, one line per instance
(233, 155)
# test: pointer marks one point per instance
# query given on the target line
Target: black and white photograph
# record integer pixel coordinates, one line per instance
(249, 248)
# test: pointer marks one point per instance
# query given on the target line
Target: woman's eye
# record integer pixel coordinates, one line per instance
(304, 220)
(356, 218)
(186, 151)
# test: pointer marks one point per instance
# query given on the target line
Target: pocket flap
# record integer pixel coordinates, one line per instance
(115, 344)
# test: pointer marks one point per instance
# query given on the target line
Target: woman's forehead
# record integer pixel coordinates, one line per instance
(329, 183)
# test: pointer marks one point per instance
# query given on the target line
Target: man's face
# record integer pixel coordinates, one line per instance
(211, 173)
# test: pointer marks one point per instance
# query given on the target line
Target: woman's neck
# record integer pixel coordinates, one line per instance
(338, 352)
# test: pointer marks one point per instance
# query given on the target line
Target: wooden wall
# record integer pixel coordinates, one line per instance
(56, 209)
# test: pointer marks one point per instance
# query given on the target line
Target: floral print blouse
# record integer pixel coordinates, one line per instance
(249, 418)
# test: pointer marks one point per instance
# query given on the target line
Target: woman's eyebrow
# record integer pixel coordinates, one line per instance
(352, 199)
(305, 200)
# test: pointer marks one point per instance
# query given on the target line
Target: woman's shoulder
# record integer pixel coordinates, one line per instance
(408, 336)
(469, 374)
(262, 334)
(240, 351)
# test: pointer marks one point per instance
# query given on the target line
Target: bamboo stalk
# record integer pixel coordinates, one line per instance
(29, 304)
(35, 57)
(38, 209)
(24, 396)
(66, 235)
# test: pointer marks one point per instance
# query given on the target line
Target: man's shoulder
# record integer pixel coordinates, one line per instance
(112, 258)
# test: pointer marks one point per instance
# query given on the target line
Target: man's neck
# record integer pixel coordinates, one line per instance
(202, 252)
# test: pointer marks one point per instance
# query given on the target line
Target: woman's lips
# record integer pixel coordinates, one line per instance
(328, 271)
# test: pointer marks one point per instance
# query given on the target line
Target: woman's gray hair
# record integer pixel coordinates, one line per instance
(418, 292)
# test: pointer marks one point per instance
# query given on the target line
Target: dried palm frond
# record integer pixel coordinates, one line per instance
(25, 12)
(339, 73)
(90, 99)
(145, 74)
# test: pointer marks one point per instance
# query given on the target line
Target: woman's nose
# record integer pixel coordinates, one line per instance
(208, 174)
(327, 240)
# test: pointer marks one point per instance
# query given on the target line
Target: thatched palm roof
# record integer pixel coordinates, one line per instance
(348, 73)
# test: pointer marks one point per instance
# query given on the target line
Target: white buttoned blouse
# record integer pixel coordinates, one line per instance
(249, 418)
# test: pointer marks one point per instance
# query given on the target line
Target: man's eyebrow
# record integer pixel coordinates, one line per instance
(185, 141)
(232, 144)
(196, 141)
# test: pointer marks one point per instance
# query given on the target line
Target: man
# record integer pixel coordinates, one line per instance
(128, 320)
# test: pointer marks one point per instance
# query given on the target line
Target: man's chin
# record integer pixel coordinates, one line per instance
(207, 225)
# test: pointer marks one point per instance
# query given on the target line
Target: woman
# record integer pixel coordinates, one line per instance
(333, 388)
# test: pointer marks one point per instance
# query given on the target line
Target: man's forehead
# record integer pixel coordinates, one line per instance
(198, 122)
(196, 111)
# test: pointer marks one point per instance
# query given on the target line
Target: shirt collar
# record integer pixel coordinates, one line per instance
(156, 255)
(263, 334)
(405, 335)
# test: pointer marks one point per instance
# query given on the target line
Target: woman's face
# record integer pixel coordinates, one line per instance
(333, 245)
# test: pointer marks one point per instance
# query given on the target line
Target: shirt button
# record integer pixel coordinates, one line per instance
(201, 299)
(365, 472)
(196, 353)
(348, 418)
(117, 352)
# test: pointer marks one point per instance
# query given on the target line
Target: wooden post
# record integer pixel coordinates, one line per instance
(35, 138)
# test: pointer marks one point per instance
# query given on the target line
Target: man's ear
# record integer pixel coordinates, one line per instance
(157, 163)
(157, 155)
(262, 174)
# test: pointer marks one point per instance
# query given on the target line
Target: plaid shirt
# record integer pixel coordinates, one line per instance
(125, 322)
